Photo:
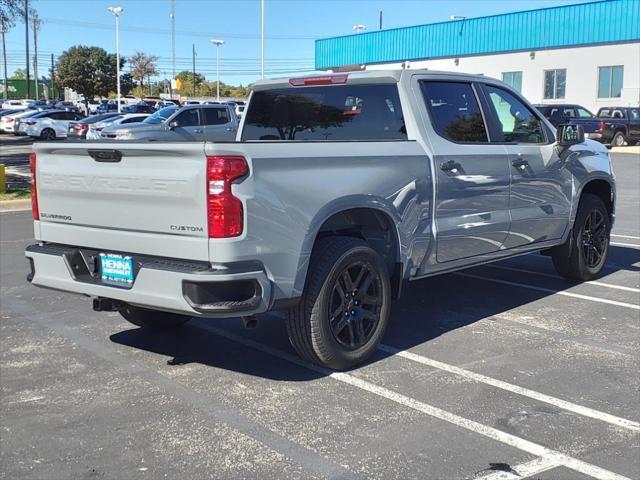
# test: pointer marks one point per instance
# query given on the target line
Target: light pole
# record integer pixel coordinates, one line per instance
(117, 11)
(262, 39)
(217, 43)
(3, 30)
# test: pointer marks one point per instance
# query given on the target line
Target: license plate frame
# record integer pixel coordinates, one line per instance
(116, 269)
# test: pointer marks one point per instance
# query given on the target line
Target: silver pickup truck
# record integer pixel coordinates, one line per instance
(337, 190)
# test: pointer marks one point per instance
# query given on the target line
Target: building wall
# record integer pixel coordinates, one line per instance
(581, 64)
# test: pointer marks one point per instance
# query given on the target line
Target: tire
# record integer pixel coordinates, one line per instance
(590, 245)
(48, 134)
(152, 319)
(359, 316)
(618, 140)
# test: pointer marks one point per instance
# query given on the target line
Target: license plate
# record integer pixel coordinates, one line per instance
(116, 269)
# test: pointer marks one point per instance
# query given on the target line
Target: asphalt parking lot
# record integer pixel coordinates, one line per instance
(498, 372)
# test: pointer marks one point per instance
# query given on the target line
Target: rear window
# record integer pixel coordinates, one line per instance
(326, 113)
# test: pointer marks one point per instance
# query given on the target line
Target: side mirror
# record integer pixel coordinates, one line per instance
(173, 125)
(570, 134)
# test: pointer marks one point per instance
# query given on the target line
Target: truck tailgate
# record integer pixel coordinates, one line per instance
(130, 197)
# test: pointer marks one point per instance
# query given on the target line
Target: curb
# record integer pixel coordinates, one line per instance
(15, 205)
(634, 149)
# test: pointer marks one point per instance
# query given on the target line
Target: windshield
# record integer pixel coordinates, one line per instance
(160, 116)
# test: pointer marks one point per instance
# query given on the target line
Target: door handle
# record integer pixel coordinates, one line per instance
(450, 166)
(520, 163)
(230, 129)
(197, 130)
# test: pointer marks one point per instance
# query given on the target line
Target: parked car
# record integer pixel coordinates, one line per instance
(164, 103)
(563, 113)
(13, 105)
(111, 131)
(39, 105)
(8, 122)
(620, 125)
(339, 189)
(138, 108)
(20, 124)
(188, 123)
(111, 106)
(68, 106)
(94, 131)
(78, 130)
(51, 127)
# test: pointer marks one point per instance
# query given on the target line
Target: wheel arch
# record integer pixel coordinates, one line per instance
(372, 219)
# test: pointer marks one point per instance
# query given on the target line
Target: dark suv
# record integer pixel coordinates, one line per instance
(562, 113)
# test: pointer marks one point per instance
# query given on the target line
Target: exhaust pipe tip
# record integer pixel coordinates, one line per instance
(250, 323)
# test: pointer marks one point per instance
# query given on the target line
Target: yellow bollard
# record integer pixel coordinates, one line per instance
(3, 179)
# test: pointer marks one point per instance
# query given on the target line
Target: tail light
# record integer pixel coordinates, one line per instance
(34, 190)
(337, 79)
(601, 126)
(10, 120)
(225, 215)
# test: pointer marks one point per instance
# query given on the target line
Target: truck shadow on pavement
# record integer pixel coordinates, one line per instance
(428, 309)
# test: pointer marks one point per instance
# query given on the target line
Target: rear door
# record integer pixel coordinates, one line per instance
(472, 174)
(219, 124)
(141, 198)
(541, 185)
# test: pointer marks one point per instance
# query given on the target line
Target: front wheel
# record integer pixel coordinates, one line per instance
(345, 307)
(590, 239)
(152, 319)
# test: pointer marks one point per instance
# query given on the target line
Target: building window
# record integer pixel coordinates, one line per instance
(555, 83)
(610, 81)
(513, 79)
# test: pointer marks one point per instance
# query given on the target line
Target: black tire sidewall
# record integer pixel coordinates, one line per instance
(588, 204)
(617, 136)
(45, 135)
(325, 345)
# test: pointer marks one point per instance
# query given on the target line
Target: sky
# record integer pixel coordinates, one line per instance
(290, 29)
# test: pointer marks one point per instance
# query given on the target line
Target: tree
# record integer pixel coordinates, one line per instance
(90, 71)
(19, 74)
(10, 11)
(186, 77)
(143, 66)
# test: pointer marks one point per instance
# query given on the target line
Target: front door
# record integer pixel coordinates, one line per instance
(218, 124)
(189, 127)
(541, 185)
(472, 175)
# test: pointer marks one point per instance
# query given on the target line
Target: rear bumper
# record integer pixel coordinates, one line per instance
(594, 136)
(179, 286)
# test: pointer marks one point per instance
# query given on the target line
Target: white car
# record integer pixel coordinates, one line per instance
(51, 126)
(13, 105)
(8, 122)
(110, 131)
(96, 129)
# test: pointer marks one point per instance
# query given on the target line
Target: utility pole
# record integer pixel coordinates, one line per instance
(53, 77)
(36, 30)
(4, 58)
(262, 39)
(173, 43)
(193, 90)
(26, 44)
(380, 25)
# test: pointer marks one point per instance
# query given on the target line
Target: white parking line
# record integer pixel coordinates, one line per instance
(523, 470)
(625, 236)
(551, 275)
(532, 448)
(549, 290)
(525, 392)
(618, 244)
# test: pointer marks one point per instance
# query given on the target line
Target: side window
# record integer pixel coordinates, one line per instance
(455, 112)
(569, 112)
(618, 114)
(516, 121)
(584, 113)
(634, 114)
(132, 120)
(188, 118)
(216, 116)
(57, 116)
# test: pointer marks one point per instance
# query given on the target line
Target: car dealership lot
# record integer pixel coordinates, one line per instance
(503, 371)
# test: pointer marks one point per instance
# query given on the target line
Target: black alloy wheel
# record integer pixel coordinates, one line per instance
(355, 304)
